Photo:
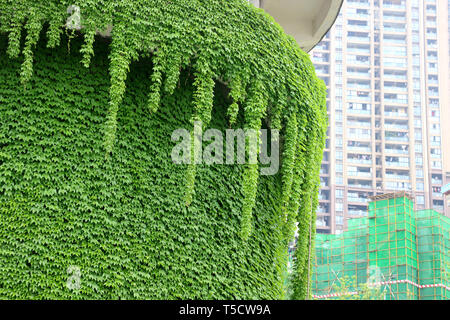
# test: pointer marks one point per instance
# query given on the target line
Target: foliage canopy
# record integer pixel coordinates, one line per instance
(271, 82)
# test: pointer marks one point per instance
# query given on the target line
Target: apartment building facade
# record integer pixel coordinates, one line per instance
(386, 66)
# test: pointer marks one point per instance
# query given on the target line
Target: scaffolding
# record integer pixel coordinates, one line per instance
(402, 253)
(434, 254)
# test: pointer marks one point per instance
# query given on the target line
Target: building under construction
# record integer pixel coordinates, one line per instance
(396, 251)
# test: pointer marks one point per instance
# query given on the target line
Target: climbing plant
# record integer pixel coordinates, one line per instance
(267, 79)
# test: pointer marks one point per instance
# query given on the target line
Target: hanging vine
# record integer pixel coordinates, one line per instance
(203, 103)
(155, 90)
(119, 67)
(237, 93)
(33, 27)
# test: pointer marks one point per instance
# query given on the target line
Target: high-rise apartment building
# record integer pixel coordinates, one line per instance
(386, 65)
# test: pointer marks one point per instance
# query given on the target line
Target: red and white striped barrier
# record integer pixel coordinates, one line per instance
(331, 295)
(335, 295)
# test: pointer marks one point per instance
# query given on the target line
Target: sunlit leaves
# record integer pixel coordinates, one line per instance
(270, 81)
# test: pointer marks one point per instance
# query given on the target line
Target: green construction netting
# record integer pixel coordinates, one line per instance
(400, 253)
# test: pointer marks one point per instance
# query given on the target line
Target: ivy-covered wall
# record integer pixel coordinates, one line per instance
(86, 177)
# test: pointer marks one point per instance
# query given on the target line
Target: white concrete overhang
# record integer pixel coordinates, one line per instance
(306, 20)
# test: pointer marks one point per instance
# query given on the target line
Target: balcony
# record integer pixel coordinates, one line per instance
(433, 93)
(435, 143)
(358, 39)
(396, 126)
(394, 18)
(432, 35)
(354, 62)
(437, 195)
(358, 124)
(359, 98)
(322, 70)
(396, 151)
(359, 185)
(320, 60)
(395, 88)
(396, 76)
(358, 4)
(322, 210)
(357, 212)
(358, 28)
(397, 164)
(357, 199)
(359, 111)
(359, 161)
(399, 187)
(359, 136)
(396, 114)
(358, 16)
(436, 155)
(359, 149)
(353, 50)
(395, 64)
(324, 46)
(397, 101)
(365, 75)
(353, 85)
(397, 139)
(436, 181)
(322, 222)
(396, 30)
(395, 41)
(396, 136)
(394, 5)
(359, 174)
(397, 177)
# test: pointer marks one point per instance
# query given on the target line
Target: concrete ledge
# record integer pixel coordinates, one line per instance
(306, 20)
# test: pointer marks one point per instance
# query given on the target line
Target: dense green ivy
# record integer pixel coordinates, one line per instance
(132, 221)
